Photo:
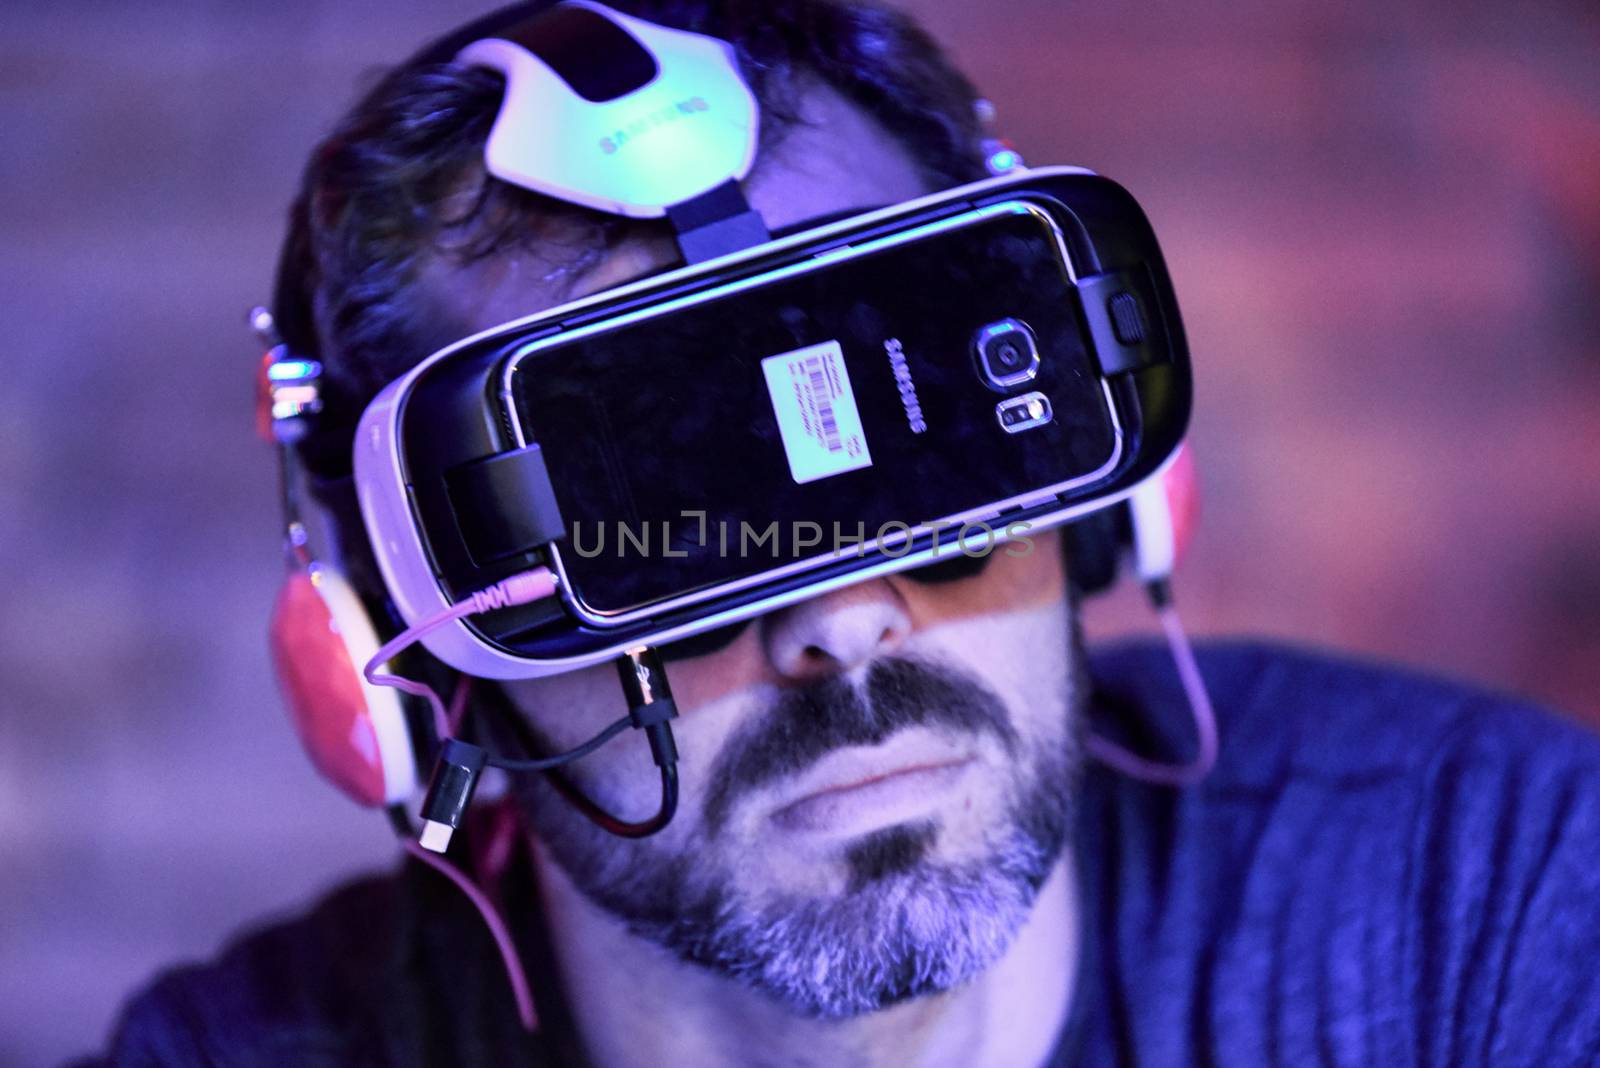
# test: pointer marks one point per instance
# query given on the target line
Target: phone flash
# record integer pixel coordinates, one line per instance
(1023, 413)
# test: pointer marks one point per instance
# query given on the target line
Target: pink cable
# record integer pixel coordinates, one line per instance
(497, 927)
(1205, 721)
(521, 588)
(458, 703)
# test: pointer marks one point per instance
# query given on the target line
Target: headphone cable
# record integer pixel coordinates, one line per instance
(459, 763)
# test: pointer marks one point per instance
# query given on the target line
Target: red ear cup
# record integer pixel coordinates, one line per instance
(354, 732)
(1164, 511)
(1182, 485)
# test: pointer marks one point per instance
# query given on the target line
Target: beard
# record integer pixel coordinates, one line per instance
(904, 923)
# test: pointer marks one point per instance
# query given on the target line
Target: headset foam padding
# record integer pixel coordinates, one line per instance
(354, 732)
(1093, 548)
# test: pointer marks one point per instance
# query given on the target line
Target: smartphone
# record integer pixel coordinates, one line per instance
(923, 383)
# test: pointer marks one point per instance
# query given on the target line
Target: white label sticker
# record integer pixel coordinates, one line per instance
(816, 410)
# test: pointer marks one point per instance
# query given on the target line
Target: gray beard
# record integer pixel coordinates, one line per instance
(907, 925)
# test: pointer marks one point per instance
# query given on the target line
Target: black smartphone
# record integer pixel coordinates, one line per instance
(928, 381)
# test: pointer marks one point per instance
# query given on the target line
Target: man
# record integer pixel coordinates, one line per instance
(890, 850)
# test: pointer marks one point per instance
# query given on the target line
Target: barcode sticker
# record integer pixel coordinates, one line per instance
(816, 410)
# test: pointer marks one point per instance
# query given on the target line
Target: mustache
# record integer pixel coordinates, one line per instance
(807, 723)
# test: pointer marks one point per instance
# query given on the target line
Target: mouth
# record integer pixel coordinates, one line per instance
(858, 790)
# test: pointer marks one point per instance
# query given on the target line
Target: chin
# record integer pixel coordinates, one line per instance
(904, 936)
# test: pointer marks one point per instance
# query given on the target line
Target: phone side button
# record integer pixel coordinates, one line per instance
(1017, 414)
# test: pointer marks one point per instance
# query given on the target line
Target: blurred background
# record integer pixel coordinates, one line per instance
(1384, 225)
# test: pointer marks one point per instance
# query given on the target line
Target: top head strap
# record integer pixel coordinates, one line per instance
(616, 113)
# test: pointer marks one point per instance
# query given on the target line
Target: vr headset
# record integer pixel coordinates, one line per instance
(778, 418)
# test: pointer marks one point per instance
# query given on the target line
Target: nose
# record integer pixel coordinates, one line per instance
(838, 631)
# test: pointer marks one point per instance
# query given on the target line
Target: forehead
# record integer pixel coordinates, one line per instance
(836, 158)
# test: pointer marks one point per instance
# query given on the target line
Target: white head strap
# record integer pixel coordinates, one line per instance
(616, 113)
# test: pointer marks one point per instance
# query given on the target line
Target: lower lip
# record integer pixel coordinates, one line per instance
(880, 802)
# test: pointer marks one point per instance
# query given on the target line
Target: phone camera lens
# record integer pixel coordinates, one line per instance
(1007, 353)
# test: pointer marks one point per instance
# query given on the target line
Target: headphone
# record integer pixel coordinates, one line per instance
(320, 633)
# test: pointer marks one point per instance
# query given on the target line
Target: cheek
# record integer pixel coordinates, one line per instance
(1011, 627)
(1023, 655)
(703, 681)
(568, 709)
(714, 694)
(1018, 576)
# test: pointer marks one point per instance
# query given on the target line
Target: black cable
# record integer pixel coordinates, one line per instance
(550, 763)
(650, 709)
(557, 777)
(608, 822)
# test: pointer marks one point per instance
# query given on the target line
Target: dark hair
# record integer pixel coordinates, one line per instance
(400, 181)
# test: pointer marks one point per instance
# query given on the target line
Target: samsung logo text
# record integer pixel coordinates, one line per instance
(650, 121)
(907, 388)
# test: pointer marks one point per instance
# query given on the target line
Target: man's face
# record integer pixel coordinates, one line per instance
(875, 782)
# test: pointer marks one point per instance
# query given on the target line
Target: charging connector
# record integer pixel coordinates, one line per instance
(455, 777)
(650, 703)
